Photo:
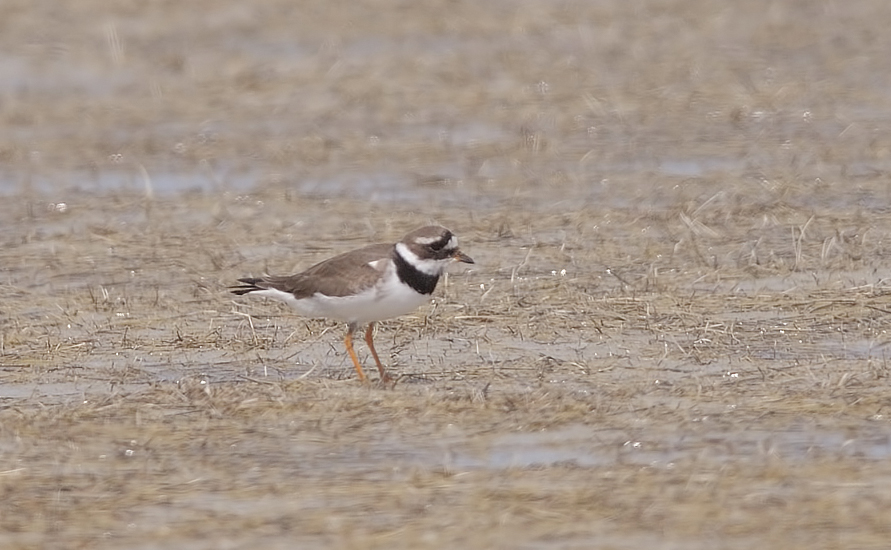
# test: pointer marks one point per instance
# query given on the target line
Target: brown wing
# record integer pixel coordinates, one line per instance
(341, 275)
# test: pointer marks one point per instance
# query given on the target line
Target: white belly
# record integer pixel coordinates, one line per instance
(389, 298)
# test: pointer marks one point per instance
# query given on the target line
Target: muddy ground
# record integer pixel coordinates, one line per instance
(675, 334)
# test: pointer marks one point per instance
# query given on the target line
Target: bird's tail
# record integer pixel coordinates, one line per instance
(250, 285)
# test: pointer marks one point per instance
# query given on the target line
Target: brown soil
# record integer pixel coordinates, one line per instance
(675, 334)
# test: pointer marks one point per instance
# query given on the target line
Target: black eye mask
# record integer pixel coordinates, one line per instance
(437, 246)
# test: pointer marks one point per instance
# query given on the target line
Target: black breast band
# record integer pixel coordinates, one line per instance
(413, 277)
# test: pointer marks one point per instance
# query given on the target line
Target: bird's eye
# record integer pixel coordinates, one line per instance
(438, 245)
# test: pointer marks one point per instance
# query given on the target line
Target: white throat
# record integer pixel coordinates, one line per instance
(430, 267)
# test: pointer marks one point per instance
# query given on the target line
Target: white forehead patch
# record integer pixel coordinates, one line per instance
(427, 240)
(451, 245)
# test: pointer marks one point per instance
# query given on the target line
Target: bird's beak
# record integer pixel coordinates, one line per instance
(459, 256)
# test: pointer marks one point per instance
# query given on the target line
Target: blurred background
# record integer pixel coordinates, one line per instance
(447, 101)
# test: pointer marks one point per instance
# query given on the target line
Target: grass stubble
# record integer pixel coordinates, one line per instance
(144, 404)
(640, 357)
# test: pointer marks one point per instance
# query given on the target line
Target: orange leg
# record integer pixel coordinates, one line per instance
(348, 341)
(369, 333)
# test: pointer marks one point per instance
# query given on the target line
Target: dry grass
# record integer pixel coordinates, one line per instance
(696, 403)
(675, 335)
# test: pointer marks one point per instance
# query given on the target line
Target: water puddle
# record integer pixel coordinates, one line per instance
(587, 446)
(156, 183)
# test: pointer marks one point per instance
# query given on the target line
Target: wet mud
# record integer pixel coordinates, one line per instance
(675, 334)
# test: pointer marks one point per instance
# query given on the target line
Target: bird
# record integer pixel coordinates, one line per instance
(366, 285)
